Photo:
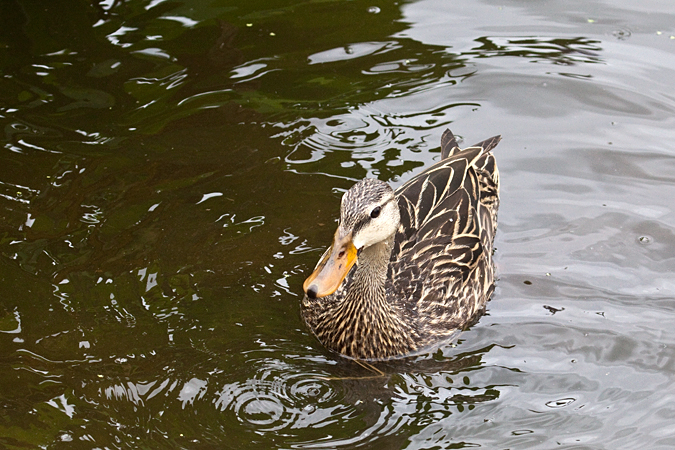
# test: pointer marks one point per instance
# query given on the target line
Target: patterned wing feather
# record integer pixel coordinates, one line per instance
(443, 244)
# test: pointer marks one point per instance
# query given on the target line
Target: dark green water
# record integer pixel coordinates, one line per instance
(171, 171)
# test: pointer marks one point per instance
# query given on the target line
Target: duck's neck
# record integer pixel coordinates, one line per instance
(365, 324)
(371, 274)
(372, 326)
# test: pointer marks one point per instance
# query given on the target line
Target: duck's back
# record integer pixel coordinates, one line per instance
(441, 270)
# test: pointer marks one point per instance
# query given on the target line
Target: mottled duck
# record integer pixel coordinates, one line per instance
(409, 268)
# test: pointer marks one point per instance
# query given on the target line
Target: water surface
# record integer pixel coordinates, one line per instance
(171, 171)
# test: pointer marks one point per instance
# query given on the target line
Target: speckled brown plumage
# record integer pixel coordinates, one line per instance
(430, 278)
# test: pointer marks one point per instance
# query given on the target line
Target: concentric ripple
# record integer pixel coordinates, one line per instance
(276, 399)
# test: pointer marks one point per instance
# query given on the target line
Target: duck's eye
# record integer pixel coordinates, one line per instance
(375, 212)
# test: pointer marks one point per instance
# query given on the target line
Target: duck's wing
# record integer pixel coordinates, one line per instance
(441, 246)
(485, 166)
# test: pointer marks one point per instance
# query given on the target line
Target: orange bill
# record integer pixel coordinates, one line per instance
(333, 268)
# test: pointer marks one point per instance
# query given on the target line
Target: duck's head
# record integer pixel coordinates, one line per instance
(368, 214)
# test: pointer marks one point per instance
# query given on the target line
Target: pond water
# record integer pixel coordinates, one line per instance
(171, 171)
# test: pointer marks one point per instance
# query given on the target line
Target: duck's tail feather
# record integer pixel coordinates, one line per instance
(448, 144)
(489, 144)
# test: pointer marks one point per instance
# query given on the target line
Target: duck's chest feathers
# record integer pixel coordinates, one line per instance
(359, 320)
